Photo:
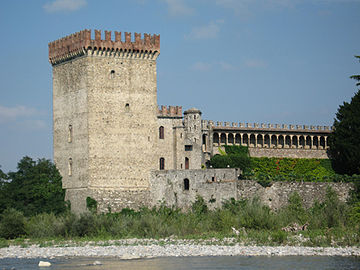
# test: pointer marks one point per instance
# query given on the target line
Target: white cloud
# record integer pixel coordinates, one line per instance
(64, 5)
(208, 31)
(255, 63)
(226, 66)
(178, 8)
(201, 66)
(11, 113)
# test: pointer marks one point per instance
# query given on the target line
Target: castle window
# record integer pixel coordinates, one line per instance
(161, 132)
(70, 167)
(70, 134)
(188, 147)
(180, 135)
(186, 184)
(112, 74)
(162, 163)
(127, 107)
(187, 165)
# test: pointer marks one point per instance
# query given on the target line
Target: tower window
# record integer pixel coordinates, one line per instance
(186, 184)
(162, 163)
(70, 167)
(161, 132)
(112, 74)
(187, 163)
(127, 107)
(188, 147)
(70, 134)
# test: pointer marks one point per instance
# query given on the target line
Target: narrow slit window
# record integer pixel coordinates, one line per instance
(70, 164)
(162, 163)
(127, 107)
(70, 131)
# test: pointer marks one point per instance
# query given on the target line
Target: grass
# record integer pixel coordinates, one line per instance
(330, 224)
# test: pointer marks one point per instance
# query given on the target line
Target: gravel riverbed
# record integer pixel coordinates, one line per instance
(135, 249)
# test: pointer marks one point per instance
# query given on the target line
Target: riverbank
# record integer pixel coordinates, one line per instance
(149, 248)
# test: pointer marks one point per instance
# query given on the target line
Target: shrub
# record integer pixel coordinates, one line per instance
(91, 204)
(199, 206)
(12, 224)
(42, 225)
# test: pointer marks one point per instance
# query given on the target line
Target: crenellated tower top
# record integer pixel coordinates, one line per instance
(81, 43)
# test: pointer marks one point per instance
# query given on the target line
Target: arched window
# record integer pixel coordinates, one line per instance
(162, 163)
(161, 132)
(112, 74)
(186, 184)
(187, 163)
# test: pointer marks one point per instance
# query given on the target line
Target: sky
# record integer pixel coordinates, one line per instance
(251, 61)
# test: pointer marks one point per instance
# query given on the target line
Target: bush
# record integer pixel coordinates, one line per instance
(12, 224)
(42, 225)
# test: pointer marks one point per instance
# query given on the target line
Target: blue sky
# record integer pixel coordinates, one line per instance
(264, 61)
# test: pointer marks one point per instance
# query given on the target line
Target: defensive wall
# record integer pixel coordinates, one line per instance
(180, 188)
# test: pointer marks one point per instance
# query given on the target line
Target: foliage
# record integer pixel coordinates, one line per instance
(12, 224)
(234, 157)
(254, 222)
(91, 204)
(344, 141)
(34, 188)
(291, 169)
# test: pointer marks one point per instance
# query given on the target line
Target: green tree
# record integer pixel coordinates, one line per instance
(34, 188)
(235, 157)
(344, 141)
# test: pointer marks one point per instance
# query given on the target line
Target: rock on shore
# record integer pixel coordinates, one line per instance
(128, 249)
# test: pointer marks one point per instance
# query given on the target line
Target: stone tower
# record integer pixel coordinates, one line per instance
(105, 117)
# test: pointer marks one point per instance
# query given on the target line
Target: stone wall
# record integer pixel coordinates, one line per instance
(288, 153)
(218, 185)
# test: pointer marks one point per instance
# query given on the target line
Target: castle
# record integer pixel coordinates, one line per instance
(113, 143)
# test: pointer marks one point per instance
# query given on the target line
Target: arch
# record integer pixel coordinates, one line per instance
(162, 163)
(187, 163)
(322, 142)
(274, 141)
(252, 140)
(112, 74)
(223, 138)
(215, 139)
(266, 141)
(301, 141)
(308, 142)
(287, 141)
(245, 139)
(161, 132)
(186, 184)
(237, 139)
(281, 141)
(295, 143)
(230, 138)
(260, 140)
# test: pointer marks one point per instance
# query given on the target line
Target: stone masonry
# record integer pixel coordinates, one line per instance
(112, 142)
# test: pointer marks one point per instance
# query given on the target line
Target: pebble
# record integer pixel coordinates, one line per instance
(149, 248)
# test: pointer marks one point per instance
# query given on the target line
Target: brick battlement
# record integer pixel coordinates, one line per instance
(171, 111)
(77, 44)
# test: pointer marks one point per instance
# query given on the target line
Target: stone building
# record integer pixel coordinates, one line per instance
(110, 135)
